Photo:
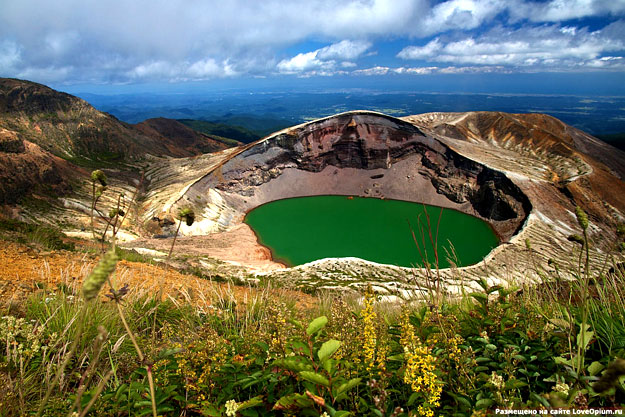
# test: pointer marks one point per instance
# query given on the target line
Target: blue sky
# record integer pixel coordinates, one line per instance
(98, 44)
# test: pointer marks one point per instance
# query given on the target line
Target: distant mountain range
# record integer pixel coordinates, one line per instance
(264, 112)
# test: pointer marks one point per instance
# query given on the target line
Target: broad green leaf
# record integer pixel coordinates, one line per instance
(328, 365)
(342, 413)
(484, 403)
(540, 399)
(316, 325)
(583, 338)
(166, 353)
(263, 346)
(514, 384)
(211, 411)
(121, 390)
(562, 361)
(595, 367)
(315, 378)
(327, 349)
(348, 385)
(252, 402)
(294, 363)
(466, 404)
(296, 323)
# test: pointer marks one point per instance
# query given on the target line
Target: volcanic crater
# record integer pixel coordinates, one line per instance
(524, 183)
(356, 153)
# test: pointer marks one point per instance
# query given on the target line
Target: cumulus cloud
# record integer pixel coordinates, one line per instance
(150, 37)
(459, 14)
(300, 62)
(324, 58)
(147, 40)
(344, 50)
(547, 46)
(562, 10)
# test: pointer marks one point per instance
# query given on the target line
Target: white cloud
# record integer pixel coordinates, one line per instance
(543, 46)
(300, 63)
(415, 70)
(324, 58)
(421, 52)
(146, 36)
(344, 50)
(459, 14)
(205, 68)
(372, 71)
(427, 70)
(133, 40)
(563, 10)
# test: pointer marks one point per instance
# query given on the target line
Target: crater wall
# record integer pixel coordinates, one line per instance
(356, 153)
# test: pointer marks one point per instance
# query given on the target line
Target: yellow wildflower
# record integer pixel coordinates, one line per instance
(420, 367)
(369, 318)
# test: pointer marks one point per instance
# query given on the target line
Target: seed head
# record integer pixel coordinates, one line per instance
(99, 176)
(187, 214)
(93, 283)
(116, 212)
(582, 218)
(576, 238)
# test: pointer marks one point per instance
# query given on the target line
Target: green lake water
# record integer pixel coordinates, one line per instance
(301, 230)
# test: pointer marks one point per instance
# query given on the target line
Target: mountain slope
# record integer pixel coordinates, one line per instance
(177, 137)
(44, 134)
(70, 127)
(27, 168)
(220, 129)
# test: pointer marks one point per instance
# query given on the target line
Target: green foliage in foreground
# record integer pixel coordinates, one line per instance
(536, 347)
